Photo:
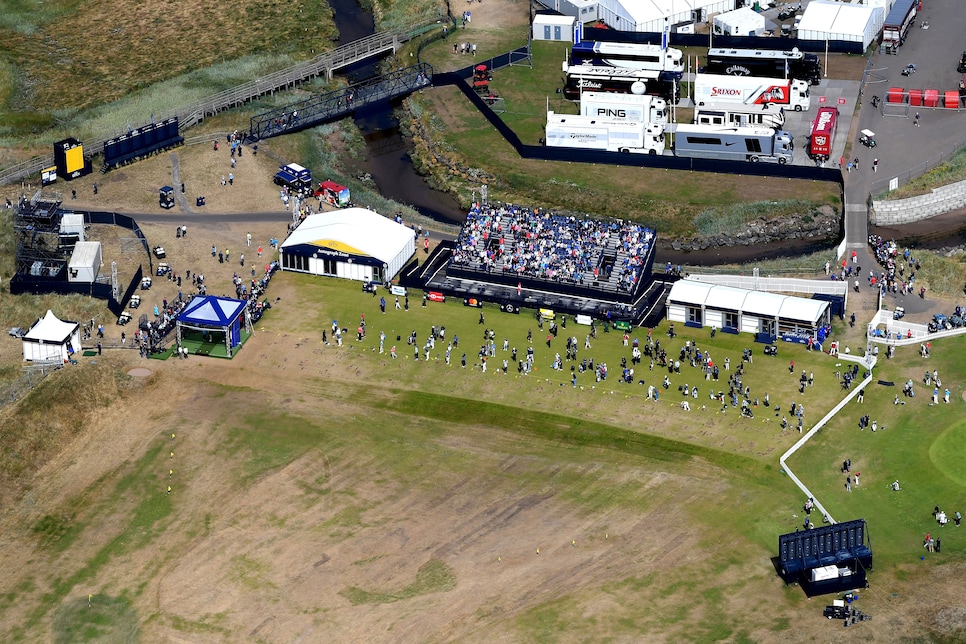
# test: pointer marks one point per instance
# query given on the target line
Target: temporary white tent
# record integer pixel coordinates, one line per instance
(549, 27)
(653, 15)
(827, 20)
(51, 340)
(741, 310)
(353, 243)
(740, 22)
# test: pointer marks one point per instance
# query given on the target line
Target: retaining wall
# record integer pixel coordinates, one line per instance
(905, 211)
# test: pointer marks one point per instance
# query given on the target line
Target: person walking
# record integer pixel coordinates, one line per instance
(248, 238)
(917, 119)
(875, 165)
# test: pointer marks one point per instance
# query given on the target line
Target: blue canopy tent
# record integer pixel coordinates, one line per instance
(216, 314)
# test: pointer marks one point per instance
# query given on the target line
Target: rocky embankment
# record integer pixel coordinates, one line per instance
(818, 226)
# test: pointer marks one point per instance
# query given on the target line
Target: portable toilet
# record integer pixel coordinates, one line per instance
(894, 95)
(952, 100)
(915, 97)
(931, 98)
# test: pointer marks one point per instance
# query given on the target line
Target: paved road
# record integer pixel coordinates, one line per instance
(902, 145)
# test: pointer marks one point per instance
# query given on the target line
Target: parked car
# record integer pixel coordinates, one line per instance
(17, 332)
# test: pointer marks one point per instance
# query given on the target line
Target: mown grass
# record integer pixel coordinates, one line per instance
(263, 442)
(434, 576)
(98, 619)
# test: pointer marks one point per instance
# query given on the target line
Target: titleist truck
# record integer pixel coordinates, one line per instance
(711, 88)
(592, 133)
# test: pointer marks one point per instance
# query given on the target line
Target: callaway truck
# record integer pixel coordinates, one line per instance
(772, 63)
(823, 134)
(710, 88)
(752, 144)
(592, 133)
(898, 23)
(624, 107)
(739, 114)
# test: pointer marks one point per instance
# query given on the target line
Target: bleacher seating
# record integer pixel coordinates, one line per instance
(535, 244)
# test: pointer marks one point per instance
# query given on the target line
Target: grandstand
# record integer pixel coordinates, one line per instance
(517, 257)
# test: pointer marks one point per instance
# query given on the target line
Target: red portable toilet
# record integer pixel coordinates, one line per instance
(931, 98)
(952, 100)
(915, 97)
(894, 95)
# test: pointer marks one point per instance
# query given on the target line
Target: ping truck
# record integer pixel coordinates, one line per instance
(624, 107)
(769, 63)
(592, 133)
(752, 144)
(822, 137)
(711, 88)
(739, 114)
(898, 23)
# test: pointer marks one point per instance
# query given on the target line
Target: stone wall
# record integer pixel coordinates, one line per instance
(906, 211)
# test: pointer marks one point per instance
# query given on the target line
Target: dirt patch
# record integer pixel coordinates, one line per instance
(139, 372)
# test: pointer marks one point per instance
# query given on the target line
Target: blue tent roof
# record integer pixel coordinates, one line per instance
(211, 311)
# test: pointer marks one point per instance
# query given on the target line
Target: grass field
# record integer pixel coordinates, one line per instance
(339, 493)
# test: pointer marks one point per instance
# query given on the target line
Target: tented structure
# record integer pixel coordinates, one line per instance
(551, 27)
(51, 340)
(740, 22)
(827, 20)
(736, 310)
(353, 243)
(654, 15)
(215, 317)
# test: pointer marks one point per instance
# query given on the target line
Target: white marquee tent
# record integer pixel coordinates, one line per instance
(827, 20)
(739, 310)
(51, 340)
(653, 15)
(353, 243)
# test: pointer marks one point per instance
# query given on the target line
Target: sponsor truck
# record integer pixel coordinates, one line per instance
(752, 144)
(711, 88)
(592, 133)
(739, 114)
(624, 107)
(823, 134)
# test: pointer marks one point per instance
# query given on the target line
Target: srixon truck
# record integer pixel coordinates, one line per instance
(752, 144)
(712, 88)
(823, 134)
(592, 133)
(624, 107)
(898, 23)
(739, 114)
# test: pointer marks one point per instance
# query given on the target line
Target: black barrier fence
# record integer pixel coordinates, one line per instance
(667, 162)
(117, 306)
(722, 41)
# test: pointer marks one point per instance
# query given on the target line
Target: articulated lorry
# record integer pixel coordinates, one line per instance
(592, 133)
(770, 63)
(752, 144)
(711, 88)
(898, 23)
(624, 107)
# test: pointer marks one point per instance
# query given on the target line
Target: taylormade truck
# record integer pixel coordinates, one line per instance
(712, 88)
(624, 107)
(592, 133)
(752, 144)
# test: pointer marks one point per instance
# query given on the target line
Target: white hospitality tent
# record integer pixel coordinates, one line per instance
(826, 20)
(653, 15)
(352, 243)
(735, 310)
(740, 22)
(51, 340)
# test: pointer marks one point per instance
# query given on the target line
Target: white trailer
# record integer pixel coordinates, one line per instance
(752, 144)
(739, 114)
(85, 262)
(624, 107)
(712, 88)
(592, 133)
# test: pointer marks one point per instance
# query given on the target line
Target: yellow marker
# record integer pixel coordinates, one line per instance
(169, 489)
(538, 551)
(499, 558)
(172, 436)
(170, 472)
(89, 598)
(573, 542)
(172, 454)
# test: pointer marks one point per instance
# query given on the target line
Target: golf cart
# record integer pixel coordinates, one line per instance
(867, 139)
